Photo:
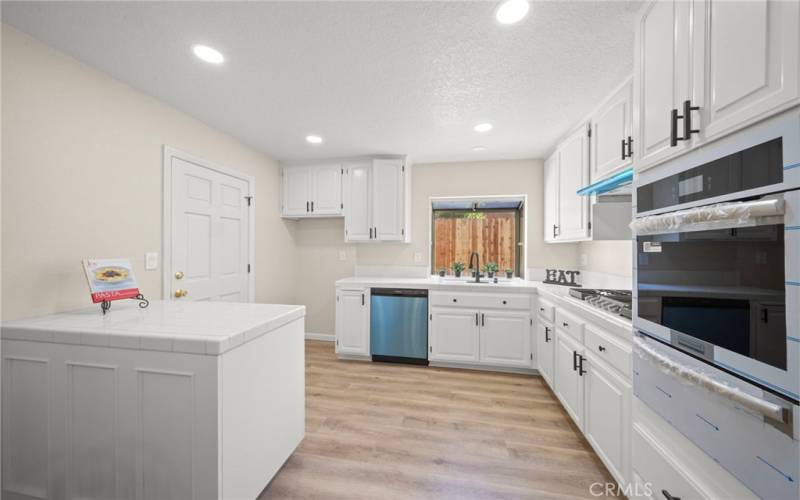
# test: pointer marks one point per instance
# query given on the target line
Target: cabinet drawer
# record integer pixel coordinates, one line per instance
(658, 469)
(546, 310)
(480, 300)
(570, 324)
(608, 349)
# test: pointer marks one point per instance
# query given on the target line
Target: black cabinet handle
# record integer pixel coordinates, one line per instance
(565, 324)
(504, 302)
(622, 143)
(601, 348)
(581, 359)
(555, 230)
(476, 319)
(673, 128)
(668, 496)
(541, 309)
(547, 334)
(687, 120)
(574, 360)
(455, 300)
(362, 299)
(307, 207)
(312, 206)
(483, 319)
(630, 147)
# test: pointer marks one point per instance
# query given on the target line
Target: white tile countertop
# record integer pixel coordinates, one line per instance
(210, 328)
(516, 285)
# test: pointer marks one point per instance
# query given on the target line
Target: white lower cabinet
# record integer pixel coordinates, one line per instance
(506, 338)
(607, 415)
(453, 335)
(352, 321)
(569, 380)
(545, 345)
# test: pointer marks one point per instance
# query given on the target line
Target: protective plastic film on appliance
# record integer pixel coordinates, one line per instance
(727, 215)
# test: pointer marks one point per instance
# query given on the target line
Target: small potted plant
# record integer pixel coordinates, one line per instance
(457, 268)
(509, 273)
(490, 268)
(442, 272)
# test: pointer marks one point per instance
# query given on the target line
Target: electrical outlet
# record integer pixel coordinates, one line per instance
(342, 255)
(151, 261)
(417, 257)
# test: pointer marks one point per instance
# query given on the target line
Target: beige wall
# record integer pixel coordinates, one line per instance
(608, 257)
(82, 172)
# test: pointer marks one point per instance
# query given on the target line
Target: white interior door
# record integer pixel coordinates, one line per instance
(209, 233)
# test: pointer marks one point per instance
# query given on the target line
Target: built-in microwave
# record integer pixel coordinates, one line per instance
(717, 259)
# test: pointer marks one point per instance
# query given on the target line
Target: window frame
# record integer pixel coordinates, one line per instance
(521, 228)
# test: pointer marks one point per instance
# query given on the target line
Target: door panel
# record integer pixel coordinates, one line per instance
(545, 351)
(358, 218)
(505, 339)
(454, 335)
(573, 212)
(569, 385)
(209, 234)
(752, 55)
(352, 322)
(387, 200)
(296, 191)
(327, 190)
(610, 127)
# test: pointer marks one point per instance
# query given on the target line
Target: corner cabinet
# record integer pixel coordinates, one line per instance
(376, 204)
(312, 191)
(706, 68)
(352, 322)
(566, 214)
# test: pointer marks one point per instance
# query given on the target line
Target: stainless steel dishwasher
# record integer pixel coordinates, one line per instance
(398, 325)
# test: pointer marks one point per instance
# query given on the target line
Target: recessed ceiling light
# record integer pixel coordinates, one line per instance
(479, 148)
(208, 54)
(511, 11)
(483, 127)
(314, 139)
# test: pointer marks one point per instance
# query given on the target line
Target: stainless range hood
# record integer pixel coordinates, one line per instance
(611, 206)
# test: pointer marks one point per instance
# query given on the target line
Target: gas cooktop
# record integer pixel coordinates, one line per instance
(613, 301)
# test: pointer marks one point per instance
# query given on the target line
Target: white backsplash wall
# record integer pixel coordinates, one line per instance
(606, 264)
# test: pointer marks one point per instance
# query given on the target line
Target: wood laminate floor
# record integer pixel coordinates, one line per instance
(380, 431)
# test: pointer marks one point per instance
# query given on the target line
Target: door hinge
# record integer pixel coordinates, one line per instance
(531, 356)
(249, 200)
(248, 268)
(403, 232)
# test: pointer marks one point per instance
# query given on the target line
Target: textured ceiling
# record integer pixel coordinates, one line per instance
(369, 77)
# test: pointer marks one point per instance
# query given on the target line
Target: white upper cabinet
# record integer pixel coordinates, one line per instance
(551, 198)
(573, 210)
(312, 191)
(662, 79)
(612, 141)
(375, 200)
(752, 54)
(706, 68)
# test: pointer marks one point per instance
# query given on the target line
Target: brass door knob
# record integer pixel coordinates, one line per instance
(179, 275)
(181, 293)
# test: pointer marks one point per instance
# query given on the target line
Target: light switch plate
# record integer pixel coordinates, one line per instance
(151, 261)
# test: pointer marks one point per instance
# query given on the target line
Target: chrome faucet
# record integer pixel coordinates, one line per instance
(477, 258)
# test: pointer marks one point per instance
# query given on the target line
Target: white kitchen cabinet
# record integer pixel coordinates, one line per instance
(545, 351)
(569, 380)
(551, 198)
(376, 200)
(505, 338)
(662, 78)
(573, 210)
(612, 141)
(312, 191)
(607, 415)
(352, 322)
(453, 334)
(749, 67)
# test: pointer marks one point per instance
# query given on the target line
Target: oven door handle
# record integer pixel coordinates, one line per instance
(722, 215)
(671, 367)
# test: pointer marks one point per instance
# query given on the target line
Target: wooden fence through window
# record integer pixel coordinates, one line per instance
(490, 233)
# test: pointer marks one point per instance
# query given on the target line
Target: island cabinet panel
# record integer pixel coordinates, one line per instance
(83, 420)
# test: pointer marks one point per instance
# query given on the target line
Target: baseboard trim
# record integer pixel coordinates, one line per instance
(326, 337)
(484, 368)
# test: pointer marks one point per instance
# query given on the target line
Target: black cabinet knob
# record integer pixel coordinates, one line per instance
(601, 348)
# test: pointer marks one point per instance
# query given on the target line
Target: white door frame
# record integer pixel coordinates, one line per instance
(166, 219)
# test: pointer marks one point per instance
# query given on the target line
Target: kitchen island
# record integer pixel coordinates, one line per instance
(178, 400)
